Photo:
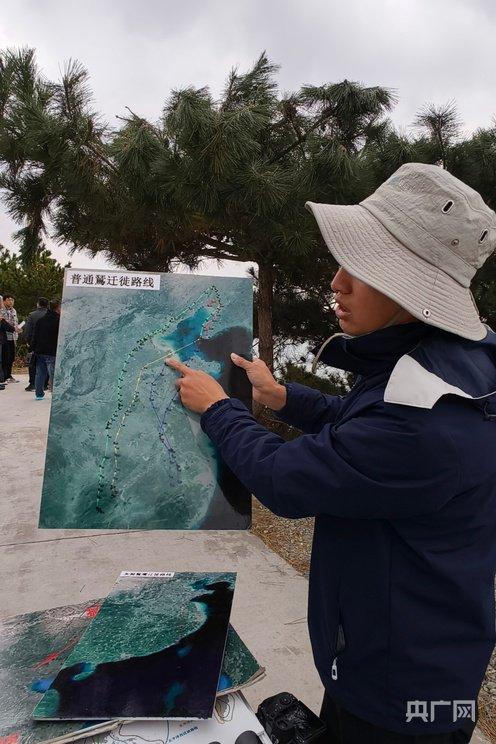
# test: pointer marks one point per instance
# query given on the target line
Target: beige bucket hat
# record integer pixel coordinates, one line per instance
(418, 239)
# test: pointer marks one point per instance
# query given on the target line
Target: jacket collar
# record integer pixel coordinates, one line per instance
(423, 363)
(371, 353)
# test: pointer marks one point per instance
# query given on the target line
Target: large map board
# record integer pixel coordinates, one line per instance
(122, 451)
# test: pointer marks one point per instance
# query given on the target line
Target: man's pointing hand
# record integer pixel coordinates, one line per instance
(197, 390)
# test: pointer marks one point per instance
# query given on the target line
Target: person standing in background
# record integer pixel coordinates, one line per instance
(32, 319)
(4, 328)
(9, 349)
(45, 346)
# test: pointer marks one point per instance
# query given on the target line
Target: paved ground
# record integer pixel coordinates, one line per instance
(47, 568)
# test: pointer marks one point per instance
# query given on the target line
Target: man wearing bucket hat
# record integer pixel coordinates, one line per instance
(400, 473)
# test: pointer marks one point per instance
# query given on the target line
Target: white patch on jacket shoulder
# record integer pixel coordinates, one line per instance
(411, 384)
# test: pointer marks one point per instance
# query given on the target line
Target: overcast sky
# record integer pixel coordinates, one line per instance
(137, 51)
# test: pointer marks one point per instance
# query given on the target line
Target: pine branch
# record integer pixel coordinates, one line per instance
(221, 246)
(302, 138)
(96, 152)
(219, 255)
(142, 121)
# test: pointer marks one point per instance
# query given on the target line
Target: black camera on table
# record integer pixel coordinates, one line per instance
(288, 721)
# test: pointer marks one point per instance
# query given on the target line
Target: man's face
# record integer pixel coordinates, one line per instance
(9, 302)
(363, 309)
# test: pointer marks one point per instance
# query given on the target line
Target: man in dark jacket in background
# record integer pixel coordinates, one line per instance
(400, 473)
(45, 338)
(31, 321)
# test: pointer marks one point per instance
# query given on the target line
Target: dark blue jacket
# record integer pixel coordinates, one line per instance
(46, 333)
(401, 477)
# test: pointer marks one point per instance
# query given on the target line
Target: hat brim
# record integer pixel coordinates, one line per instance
(368, 251)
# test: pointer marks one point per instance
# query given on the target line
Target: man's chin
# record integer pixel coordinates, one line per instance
(348, 326)
(353, 329)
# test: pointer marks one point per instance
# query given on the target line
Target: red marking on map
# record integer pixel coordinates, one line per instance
(51, 657)
(10, 739)
(91, 612)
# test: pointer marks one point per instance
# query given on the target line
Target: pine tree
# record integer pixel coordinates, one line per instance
(223, 179)
(219, 179)
(43, 278)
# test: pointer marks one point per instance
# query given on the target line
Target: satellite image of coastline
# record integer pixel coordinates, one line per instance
(153, 651)
(33, 648)
(122, 452)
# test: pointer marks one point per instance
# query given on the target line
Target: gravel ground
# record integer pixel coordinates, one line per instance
(289, 538)
(292, 540)
(487, 702)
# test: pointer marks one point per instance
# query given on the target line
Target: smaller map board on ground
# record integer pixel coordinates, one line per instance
(153, 651)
